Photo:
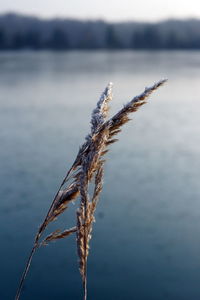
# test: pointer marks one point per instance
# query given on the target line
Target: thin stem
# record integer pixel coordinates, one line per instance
(25, 272)
(85, 241)
(85, 286)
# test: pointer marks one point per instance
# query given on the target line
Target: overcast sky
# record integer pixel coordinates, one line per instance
(113, 10)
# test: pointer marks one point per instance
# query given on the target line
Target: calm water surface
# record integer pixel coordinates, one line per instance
(146, 241)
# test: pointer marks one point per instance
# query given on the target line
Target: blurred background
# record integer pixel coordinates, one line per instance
(56, 57)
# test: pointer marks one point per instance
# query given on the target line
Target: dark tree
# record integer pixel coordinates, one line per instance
(2, 39)
(18, 41)
(111, 39)
(148, 38)
(88, 40)
(172, 41)
(58, 40)
(32, 40)
(138, 40)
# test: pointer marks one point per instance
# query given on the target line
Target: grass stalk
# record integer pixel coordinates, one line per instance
(88, 166)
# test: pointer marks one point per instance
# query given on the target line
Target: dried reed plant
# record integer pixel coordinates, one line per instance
(87, 166)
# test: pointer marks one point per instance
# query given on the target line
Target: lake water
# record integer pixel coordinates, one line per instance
(146, 239)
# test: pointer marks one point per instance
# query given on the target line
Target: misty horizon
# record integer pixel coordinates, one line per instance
(97, 19)
(18, 32)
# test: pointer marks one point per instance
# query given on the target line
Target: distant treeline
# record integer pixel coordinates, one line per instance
(22, 32)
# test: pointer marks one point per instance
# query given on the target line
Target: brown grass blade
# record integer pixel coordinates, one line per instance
(57, 234)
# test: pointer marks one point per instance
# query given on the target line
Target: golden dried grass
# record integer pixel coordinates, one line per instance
(87, 166)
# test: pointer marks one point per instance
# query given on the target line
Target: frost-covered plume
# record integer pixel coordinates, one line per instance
(87, 168)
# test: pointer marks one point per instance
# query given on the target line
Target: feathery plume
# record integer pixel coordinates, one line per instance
(87, 166)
